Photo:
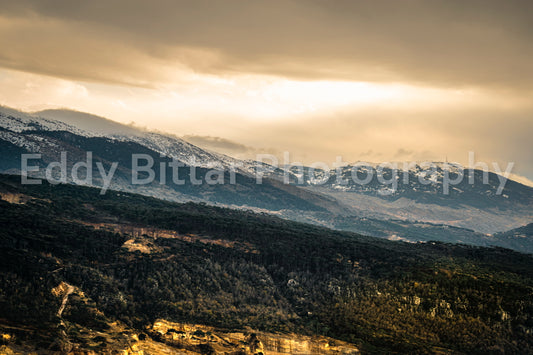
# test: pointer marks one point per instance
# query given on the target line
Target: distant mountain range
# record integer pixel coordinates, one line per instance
(414, 209)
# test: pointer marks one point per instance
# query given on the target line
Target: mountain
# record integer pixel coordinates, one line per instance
(15, 121)
(82, 272)
(88, 122)
(88, 125)
(519, 238)
(418, 195)
(165, 144)
(411, 207)
(521, 232)
(21, 133)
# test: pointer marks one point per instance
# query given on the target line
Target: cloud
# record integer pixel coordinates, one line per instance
(204, 68)
(217, 143)
(403, 153)
(368, 153)
(229, 147)
(436, 43)
(494, 135)
(495, 127)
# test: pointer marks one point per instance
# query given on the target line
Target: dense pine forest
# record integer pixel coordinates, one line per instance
(139, 259)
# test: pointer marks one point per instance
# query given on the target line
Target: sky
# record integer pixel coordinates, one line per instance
(366, 80)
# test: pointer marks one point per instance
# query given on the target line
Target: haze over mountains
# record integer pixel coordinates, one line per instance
(412, 210)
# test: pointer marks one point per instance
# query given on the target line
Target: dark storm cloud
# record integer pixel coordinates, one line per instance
(439, 43)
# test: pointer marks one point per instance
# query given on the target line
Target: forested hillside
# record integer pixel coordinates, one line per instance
(137, 259)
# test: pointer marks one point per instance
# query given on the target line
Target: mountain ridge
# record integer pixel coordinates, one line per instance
(476, 207)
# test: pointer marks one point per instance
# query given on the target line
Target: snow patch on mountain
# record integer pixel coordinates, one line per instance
(17, 121)
(14, 122)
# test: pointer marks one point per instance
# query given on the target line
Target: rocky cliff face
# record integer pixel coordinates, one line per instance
(164, 337)
(217, 341)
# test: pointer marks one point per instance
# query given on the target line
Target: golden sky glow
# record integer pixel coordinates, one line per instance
(380, 80)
